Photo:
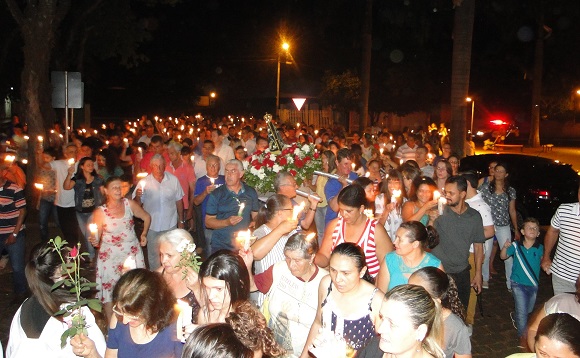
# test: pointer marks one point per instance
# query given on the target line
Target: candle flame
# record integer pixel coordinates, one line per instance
(39, 186)
(93, 228)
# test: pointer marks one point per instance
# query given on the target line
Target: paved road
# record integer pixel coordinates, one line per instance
(493, 334)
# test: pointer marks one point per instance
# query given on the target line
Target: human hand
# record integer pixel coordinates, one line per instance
(191, 279)
(10, 240)
(477, 283)
(342, 180)
(179, 224)
(209, 188)
(247, 256)
(546, 264)
(517, 236)
(71, 169)
(83, 346)
(328, 345)
(234, 219)
(507, 244)
(143, 240)
(139, 192)
(287, 226)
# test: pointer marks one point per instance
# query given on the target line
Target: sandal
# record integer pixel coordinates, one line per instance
(3, 262)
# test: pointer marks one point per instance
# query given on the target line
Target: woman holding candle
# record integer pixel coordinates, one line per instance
(290, 312)
(389, 203)
(421, 201)
(185, 287)
(411, 244)
(374, 170)
(348, 305)
(108, 163)
(87, 185)
(410, 173)
(116, 239)
(354, 226)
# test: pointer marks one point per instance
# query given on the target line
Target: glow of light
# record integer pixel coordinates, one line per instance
(39, 186)
(40, 139)
(71, 161)
(297, 210)
(93, 228)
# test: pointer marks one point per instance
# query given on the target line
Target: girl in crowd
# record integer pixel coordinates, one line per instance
(501, 198)
(35, 327)
(290, 312)
(442, 288)
(224, 281)
(370, 192)
(353, 226)
(388, 207)
(409, 172)
(374, 170)
(454, 160)
(409, 326)
(117, 240)
(420, 201)
(443, 170)
(108, 163)
(184, 288)
(346, 300)
(411, 244)
(88, 196)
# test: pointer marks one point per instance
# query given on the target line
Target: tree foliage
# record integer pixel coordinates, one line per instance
(341, 91)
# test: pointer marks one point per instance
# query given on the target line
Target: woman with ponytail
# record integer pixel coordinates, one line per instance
(35, 327)
(412, 241)
(443, 289)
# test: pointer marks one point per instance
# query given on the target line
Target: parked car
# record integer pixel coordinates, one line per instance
(541, 184)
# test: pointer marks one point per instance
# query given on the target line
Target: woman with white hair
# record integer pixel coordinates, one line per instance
(183, 281)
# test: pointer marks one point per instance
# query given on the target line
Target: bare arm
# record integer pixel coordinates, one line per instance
(212, 222)
(179, 206)
(488, 231)
(533, 324)
(68, 182)
(139, 212)
(322, 258)
(549, 242)
(478, 256)
(383, 278)
(514, 219)
(409, 207)
(262, 246)
(309, 217)
(383, 243)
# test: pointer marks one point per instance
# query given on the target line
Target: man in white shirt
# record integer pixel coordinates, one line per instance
(149, 132)
(65, 199)
(407, 150)
(427, 170)
(161, 196)
(222, 150)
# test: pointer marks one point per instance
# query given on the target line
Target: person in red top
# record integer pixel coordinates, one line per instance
(156, 147)
(186, 177)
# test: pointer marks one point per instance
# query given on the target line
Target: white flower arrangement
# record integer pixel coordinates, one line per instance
(189, 258)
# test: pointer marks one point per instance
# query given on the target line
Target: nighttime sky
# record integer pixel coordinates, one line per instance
(230, 47)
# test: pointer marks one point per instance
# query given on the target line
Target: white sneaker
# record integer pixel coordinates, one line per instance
(485, 284)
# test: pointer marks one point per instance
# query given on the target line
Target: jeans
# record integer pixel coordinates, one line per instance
(207, 245)
(84, 219)
(16, 253)
(487, 248)
(504, 234)
(463, 282)
(153, 248)
(319, 221)
(67, 219)
(45, 210)
(525, 299)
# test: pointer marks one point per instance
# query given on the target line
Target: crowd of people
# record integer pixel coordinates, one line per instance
(384, 256)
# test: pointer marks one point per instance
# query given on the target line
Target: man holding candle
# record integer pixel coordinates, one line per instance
(459, 226)
(285, 184)
(224, 205)
(161, 196)
(334, 186)
(203, 187)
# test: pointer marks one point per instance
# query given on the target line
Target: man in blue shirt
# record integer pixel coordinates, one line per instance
(224, 212)
(334, 186)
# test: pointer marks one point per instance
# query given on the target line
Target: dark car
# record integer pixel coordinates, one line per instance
(541, 184)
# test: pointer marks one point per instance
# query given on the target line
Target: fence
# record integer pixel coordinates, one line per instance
(315, 117)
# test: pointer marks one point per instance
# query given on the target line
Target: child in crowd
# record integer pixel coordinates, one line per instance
(525, 273)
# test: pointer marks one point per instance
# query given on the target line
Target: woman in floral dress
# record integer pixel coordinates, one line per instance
(117, 240)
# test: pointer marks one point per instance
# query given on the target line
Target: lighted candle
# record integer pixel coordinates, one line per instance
(316, 132)
(396, 194)
(353, 165)
(9, 158)
(369, 213)
(401, 161)
(125, 140)
(367, 174)
(184, 319)
(71, 161)
(212, 181)
(440, 203)
(107, 142)
(24, 161)
(245, 239)
(129, 264)
(192, 159)
(241, 210)
(298, 125)
(39, 186)
(142, 185)
(141, 175)
(297, 210)
(93, 228)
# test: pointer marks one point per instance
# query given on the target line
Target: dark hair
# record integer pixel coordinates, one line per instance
(416, 231)
(409, 171)
(146, 294)
(40, 271)
(448, 167)
(412, 163)
(363, 182)
(563, 328)
(267, 211)
(442, 286)
(353, 196)
(229, 267)
(471, 178)
(110, 180)
(50, 151)
(186, 150)
(459, 180)
(530, 220)
(417, 183)
(187, 141)
(342, 154)
(209, 141)
(157, 139)
(216, 340)
(357, 254)
(507, 185)
(111, 160)
(331, 160)
(79, 173)
(301, 242)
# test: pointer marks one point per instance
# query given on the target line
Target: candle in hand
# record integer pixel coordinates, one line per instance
(297, 210)
(184, 318)
(39, 186)
(241, 210)
(71, 161)
(395, 196)
(93, 228)
(212, 181)
(129, 264)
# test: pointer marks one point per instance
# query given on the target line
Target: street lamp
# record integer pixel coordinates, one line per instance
(285, 47)
(469, 99)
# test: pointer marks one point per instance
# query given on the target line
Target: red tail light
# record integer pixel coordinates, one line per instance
(541, 194)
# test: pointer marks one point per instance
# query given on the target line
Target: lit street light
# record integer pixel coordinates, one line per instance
(469, 99)
(285, 47)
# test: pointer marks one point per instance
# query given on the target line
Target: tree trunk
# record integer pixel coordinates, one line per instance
(460, 72)
(534, 139)
(366, 64)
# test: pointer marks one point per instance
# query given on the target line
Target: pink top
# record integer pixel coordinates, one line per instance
(185, 175)
(366, 242)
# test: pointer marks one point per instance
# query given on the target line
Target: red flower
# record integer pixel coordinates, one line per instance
(293, 172)
(283, 161)
(74, 252)
(316, 155)
(307, 159)
(299, 163)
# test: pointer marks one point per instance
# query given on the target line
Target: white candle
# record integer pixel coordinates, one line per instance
(212, 181)
(142, 174)
(297, 210)
(241, 210)
(244, 239)
(93, 228)
(9, 158)
(381, 150)
(71, 161)
(39, 186)
(40, 139)
(395, 196)
(129, 264)
(440, 203)
(184, 318)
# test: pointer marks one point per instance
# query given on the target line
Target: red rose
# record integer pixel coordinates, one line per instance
(293, 172)
(307, 159)
(283, 161)
(316, 155)
(299, 163)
